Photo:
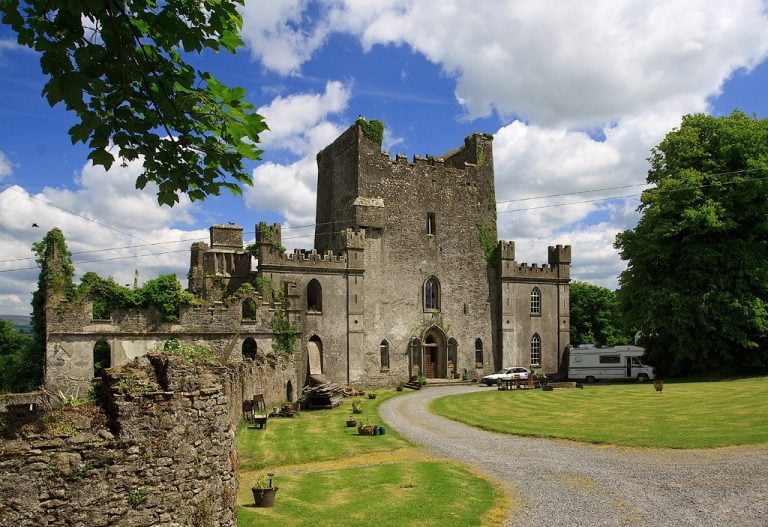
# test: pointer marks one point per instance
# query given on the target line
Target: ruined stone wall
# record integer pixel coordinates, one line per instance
(131, 333)
(161, 453)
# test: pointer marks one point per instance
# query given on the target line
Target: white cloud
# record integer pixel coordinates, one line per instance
(105, 212)
(292, 119)
(6, 167)
(276, 33)
(533, 59)
(300, 124)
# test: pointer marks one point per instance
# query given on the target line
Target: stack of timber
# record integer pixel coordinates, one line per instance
(323, 396)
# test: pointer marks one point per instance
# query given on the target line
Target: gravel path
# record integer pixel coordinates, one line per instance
(569, 483)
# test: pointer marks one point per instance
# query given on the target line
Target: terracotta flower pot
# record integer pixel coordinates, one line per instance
(366, 430)
(351, 423)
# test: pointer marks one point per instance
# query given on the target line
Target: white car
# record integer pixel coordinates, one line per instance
(506, 374)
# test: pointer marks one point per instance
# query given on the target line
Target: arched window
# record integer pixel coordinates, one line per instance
(432, 294)
(479, 352)
(535, 350)
(249, 348)
(289, 391)
(536, 301)
(102, 357)
(249, 309)
(384, 353)
(314, 296)
(315, 355)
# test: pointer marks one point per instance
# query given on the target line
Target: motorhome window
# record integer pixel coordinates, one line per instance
(636, 362)
(610, 359)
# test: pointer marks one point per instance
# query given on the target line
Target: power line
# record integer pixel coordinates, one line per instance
(551, 205)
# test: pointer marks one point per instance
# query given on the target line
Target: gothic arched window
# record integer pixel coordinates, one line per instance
(314, 296)
(384, 353)
(535, 350)
(432, 294)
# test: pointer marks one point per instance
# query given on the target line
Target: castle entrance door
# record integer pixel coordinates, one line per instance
(434, 355)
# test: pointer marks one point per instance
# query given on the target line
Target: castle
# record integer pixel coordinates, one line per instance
(406, 278)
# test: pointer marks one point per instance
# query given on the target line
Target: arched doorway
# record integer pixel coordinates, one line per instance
(102, 357)
(249, 348)
(434, 356)
(315, 355)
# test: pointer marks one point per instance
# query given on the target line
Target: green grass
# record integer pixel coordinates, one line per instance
(315, 436)
(418, 494)
(684, 415)
(330, 476)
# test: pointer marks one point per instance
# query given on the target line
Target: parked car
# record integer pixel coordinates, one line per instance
(506, 374)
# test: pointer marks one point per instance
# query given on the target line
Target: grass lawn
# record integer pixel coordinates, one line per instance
(315, 436)
(684, 415)
(330, 476)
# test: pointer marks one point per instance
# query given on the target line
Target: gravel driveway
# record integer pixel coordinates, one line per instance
(568, 483)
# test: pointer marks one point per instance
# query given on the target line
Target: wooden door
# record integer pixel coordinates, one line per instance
(430, 361)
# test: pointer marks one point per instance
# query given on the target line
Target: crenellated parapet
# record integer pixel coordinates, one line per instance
(558, 267)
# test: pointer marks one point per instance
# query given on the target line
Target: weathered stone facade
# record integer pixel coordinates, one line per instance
(406, 278)
(158, 449)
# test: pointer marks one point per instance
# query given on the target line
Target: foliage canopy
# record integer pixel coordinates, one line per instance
(595, 316)
(121, 68)
(696, 282)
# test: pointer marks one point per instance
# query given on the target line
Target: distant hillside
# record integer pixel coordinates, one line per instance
(22, 322)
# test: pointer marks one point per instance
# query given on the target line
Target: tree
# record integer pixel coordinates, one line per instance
(18, 372)
(120, 66)
(54, 281)
(595, 316)
(696, 282)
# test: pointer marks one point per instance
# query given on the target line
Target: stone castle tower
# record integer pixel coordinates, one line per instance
(406, 278)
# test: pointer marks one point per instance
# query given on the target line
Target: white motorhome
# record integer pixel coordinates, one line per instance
(620, 362)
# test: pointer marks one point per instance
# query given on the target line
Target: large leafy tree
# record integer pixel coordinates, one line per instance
(120, 66)
(595, 316)
(696, 283)
(18, 370)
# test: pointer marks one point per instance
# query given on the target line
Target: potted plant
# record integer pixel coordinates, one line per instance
(263, 490)
(351, 422)
(399, 387)
(421, 379)
(357, 407)
(371, 395)
(366, 429)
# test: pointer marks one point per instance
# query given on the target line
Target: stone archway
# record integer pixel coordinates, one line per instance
(434, 353)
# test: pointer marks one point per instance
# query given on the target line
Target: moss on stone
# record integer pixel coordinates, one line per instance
(373, 129)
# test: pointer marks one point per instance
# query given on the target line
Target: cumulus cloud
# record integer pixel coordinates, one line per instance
(530, 59)
(110, 227)
(300, 123)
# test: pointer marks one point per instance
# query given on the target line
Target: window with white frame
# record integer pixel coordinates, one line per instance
(535, 350)
(536, 301)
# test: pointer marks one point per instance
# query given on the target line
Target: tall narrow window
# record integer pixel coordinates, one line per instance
(536, 301)
(384, 352)
(249, 309)
(431, 228)
(535, 350)
(314, 296)
(478, 352)
(432, 294)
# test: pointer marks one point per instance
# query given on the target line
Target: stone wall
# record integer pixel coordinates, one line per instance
(158, 449)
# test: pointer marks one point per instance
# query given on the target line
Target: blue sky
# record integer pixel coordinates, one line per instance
(574, 94)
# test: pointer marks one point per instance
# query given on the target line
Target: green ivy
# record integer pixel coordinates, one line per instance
(264, 286)
(163, 292)
(490, 245)
(265, 234)
(373, 129)
(285, 334)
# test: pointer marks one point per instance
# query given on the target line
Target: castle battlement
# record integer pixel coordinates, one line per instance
(301, 258)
